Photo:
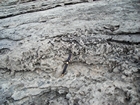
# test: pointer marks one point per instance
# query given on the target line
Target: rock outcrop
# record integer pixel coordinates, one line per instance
(36, 37)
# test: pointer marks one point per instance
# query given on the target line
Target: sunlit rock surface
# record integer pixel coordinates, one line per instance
(36, 37)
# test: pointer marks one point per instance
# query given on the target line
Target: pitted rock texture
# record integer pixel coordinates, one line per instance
(36, 37)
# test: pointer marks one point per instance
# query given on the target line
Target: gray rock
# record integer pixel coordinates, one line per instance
(36, 38)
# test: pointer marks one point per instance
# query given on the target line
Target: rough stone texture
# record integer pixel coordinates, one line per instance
(37, 35)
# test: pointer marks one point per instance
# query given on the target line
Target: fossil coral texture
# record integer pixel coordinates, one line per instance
(37, 35)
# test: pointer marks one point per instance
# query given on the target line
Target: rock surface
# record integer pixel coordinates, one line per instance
(36, 36)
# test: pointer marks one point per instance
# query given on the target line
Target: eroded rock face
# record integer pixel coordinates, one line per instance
(36, 37)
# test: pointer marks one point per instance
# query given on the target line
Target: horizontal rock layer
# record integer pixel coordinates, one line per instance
(36, 38)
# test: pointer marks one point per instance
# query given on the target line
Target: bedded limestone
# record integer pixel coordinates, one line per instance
(103, 37)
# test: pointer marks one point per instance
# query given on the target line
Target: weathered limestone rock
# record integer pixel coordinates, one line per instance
(36, 37)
